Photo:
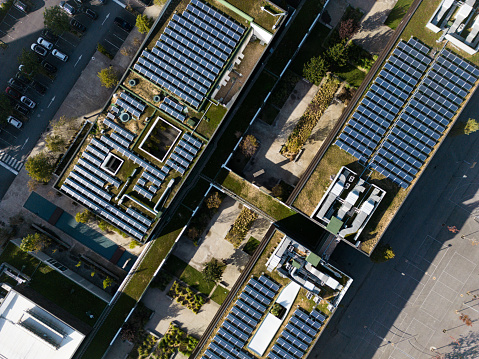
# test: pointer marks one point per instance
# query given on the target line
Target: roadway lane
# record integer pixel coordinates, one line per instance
(79, 52)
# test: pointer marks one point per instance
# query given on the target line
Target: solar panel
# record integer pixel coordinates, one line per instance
(139, 216)
(218, 16)
(90, 167)
(132, 101)
(152, 178)
(182, 144)
(262, 288)
(180, 162)
(101, 155)
(172, 112)
(255, 302)
(143, 192)
(183, 154)
(120, 140)
(84, 181)
(91, 177)
(224, 37)
(192, 140)
(92, 159)
(121, 131)
(234, 330)
(255, 294)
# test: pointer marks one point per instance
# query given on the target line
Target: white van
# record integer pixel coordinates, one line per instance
(60, 55)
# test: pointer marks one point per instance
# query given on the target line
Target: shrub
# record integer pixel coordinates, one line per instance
(348, 28)
(102, 49)
(249, 145)
(213, 271)
(143, 23)
(471, 126)
(382, 253)
(241, 226)
(39, 167)
(34, 242)
(84, 217)
(214, 201)
(315, 69)
(185, 296)
(108, 77)
(337, 55)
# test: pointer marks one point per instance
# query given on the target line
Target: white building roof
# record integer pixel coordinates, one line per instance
(27, 331)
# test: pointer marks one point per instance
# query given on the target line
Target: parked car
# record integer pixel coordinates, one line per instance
(40, 50)
(25, 100)
(23, 69)
(14, 122)
(122, 23)
(10, 91)
(60, 55)
(22, 109)
(16, 83)
(77, 25)
(67, 7)
(49, 67)
(92, 14)
(49, 35)
(79, 2)
(46, 44)
(38, 87)
(21, 76)
(21, 6)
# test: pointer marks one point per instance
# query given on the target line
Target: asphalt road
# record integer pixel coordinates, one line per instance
(425, 214)
(20, 31)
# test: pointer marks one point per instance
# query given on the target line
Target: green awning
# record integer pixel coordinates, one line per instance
(313, 259)
(334, 225)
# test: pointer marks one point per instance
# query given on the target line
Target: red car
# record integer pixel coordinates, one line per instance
(10, 91)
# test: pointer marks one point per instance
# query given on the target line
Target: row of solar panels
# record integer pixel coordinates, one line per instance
(297, 335)
(128, 108)
(383, 102)
(422, 123)
(184, 153)
(243, 318)
(173, 109)
(135, 103)
(143, 192)
(191, 52)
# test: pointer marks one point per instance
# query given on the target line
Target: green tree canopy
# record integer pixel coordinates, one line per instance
(159, 2)
(143, 23)
(338, 55)
(34, 242)
(55, 143)
(471, 126)
(315, 69)
(39, 167)
(84, 217)
(30, 61)
(382, 253)
(213, 271)
(57, 20)
(108, 77)
(5, 108)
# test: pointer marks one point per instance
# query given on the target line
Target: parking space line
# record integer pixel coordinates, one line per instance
(122, 39)
(111, 44)
(12, 16)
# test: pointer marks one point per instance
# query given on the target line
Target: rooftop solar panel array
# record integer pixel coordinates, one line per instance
(121, 131)
(191, 52)
(132, 101)
(243, 319)
(143, 192)
(83, 162)
(425, 118)
(173, 109)
(384, 100)
(297, 335)
(127, 107)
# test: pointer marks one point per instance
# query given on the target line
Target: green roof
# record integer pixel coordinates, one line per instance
(334, 225)
(296, 264)
(313, 259)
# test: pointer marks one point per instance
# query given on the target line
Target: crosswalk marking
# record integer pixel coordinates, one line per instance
(10, 163)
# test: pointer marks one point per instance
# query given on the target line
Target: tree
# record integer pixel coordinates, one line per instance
(249, 145)
(382, 253)
(39, 167)
(31, 63)
(214, 201)
(315, 69)
(159, 2)
(277, 309)
(338, 55)
(5, 108)
(84, 217)
(471, 126)
(213, 271)
(348, 28)
(34, 242)
(55, 143)
(57, 20)
(108, 77)
(143, 23)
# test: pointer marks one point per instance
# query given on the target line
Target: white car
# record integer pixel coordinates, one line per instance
(67, 7)
(14, 122)
(60, 55)
(46, 44)
(26, 101)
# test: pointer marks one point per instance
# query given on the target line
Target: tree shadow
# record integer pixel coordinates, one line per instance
(397, 13)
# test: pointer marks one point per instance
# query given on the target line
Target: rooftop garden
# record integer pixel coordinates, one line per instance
(54, 286)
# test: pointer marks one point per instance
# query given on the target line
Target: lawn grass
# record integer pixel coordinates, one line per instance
(291, 40)
(219, 295)
(214, 114)
(319, 181)
(352, 75)
(188, 274)
(313, 46)
(417, 25)
(239, 123)
(253, 9)
(397, 13)
(256, 197)
(251, 246)
(53, 285)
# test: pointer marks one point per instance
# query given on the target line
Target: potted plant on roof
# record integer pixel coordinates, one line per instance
(278, 310)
